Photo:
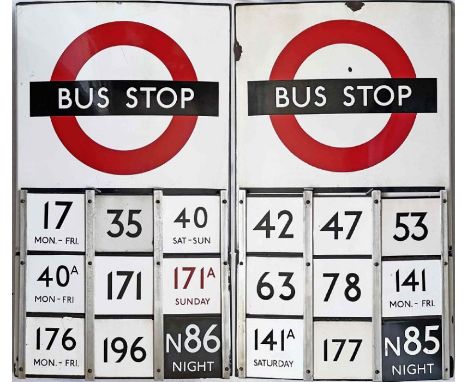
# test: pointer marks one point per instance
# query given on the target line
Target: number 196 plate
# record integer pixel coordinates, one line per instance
(123, 348)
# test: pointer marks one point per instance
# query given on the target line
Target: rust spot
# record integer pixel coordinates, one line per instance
(237, 51)
(355, 5)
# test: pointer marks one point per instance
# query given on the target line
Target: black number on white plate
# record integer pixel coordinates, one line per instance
(340, 344)
(131, 222)
(67, 341)
(266, 291)
(200, 218)
(61, 276)
(273, 340)
(352, 292)
(411, 280)
(265, 224)
(333, 224)
(119, 345)
(66, 205)
(403, 231)
(128, 276)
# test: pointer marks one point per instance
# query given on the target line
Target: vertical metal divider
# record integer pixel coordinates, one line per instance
(308, 287)
(445, 286)
(377, 284)
(241, 274)
(158, 325)
(90, 203)
(21, 366)
(232, 178)
(16, 291)
(225, 296)
(451, 317)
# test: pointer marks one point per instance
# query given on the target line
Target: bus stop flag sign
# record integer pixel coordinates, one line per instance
(340, 101)
(120, 99)
(389, 95)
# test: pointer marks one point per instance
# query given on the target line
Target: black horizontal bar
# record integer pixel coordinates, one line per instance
(411, 257)
(55, 376)
(123, 97)
(55, 190)
(124, 254)
(55, 253)
(191, 255)
(190, 191)
(342, 257)
(357, 319)
(56, 315)
(201, 315)
(342, 96)
(410, 318)
(123, 317)
(275, 316)
(274, 254)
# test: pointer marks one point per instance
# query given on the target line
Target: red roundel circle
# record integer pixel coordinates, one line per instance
(91, 153)
(343, 159)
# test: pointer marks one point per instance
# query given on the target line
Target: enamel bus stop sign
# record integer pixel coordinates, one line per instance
(303, 231)
(124, 92)
(331, 97)
(123, 129)
(344, 155)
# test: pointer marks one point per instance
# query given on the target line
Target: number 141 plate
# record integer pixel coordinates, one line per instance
(275, 348)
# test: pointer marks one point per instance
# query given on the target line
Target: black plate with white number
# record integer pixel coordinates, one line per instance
(192, 346)
(412, 349)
